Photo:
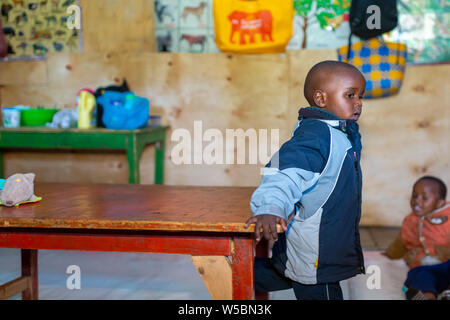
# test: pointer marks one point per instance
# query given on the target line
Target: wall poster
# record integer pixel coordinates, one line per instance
(34, 28)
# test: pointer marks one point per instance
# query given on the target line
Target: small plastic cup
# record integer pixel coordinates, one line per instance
(11, 118)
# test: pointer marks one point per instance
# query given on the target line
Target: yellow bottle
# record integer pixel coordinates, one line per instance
(86, 107)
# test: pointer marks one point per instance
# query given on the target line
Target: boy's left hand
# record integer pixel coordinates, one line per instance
(268, 224)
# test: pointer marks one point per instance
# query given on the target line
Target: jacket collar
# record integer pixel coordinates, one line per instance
(349, 127)
(323, 115)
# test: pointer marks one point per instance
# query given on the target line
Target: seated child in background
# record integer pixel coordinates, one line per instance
(424, 239)
(312, 187)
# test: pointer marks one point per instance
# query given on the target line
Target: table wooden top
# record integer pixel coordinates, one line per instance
(133, 207)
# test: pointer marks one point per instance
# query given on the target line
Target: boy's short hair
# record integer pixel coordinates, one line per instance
(328, 67)
(441, 185)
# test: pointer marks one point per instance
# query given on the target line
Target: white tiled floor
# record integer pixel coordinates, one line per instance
(122, 276)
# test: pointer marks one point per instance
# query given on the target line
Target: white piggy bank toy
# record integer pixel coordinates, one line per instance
(18, 188)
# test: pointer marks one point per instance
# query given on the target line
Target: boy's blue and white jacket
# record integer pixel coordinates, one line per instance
(314, 182)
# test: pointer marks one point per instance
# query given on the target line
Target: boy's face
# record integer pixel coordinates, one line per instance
(342, 95)
(425, 198)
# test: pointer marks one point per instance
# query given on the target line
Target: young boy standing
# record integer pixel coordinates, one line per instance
(312, 187)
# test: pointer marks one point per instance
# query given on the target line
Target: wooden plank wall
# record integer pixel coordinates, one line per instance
(404, 136)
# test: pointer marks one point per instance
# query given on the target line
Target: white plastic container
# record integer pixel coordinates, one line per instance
(11, 118)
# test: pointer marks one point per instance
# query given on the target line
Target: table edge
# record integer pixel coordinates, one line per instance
(187, 226)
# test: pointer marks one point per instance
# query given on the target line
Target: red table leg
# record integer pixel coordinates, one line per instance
(242, 268)
(30, 269)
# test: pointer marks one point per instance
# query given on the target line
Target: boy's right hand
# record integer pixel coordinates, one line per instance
(268, 222)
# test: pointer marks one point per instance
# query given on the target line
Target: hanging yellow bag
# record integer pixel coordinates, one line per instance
(253, 26)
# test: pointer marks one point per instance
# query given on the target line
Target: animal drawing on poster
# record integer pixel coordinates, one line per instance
(43, 5)
(194, 40)
(58, 46)
(65, 19)
(9, 32)
(10, 49)
(195, 11)
(21, 19)
(37, 22)
(19, 3)
(32, 6)
(21, 36)
(60, 33)
(50, 20)
(165, 42)
(37, 27)
(43, 34)
(23, 46)
(72, 43)
(68, 3)
(54, 5)
(5, 9)
(39, 50)
(164, 10)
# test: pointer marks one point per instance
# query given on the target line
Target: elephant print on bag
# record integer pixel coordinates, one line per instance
(250, 24)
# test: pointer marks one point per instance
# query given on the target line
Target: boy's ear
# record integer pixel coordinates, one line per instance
(320, 98)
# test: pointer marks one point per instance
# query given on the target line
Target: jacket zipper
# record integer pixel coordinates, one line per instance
(361, 267)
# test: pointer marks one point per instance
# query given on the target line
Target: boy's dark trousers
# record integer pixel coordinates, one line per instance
(267, 279)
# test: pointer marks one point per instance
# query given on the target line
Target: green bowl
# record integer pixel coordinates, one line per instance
(36, 117)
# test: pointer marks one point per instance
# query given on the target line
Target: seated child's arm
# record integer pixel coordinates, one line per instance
(443, 253)
(410, 256)
(397, 248)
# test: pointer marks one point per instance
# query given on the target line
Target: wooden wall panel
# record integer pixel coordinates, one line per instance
(69, 166)
(118, 25)
(38, 96)
(79, 166)
(23, 72)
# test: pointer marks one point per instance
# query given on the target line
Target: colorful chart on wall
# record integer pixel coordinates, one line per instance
(34, 28)
(320, 24)
(424, 25)
(184, 26)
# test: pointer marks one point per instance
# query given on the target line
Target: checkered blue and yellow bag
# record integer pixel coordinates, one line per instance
(382, 64)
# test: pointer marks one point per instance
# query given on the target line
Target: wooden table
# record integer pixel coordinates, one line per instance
(131, 141)
(204, 222)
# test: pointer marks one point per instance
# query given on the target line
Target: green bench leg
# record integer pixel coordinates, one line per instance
(133, 156)
(159, 161)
